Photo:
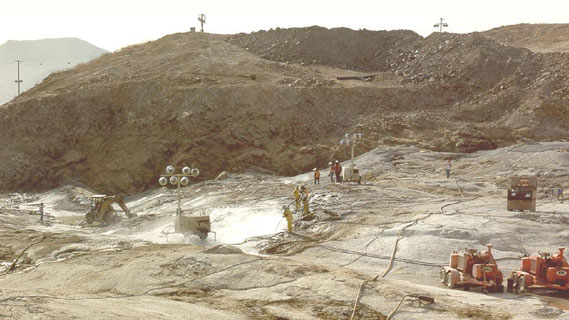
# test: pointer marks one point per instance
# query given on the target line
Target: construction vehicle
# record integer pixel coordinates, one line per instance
(544, 271)
(522, 193)
(473, 269)
(351, 173)
(193, 224)
(101, 210)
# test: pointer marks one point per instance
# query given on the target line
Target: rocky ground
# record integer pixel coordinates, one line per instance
(256, 270)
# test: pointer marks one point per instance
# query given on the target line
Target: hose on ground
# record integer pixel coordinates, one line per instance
(13, 265)
(421, 298)
(386, 270)
(392, 258)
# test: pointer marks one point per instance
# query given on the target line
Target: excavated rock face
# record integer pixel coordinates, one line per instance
(200, 100)
(474, 92)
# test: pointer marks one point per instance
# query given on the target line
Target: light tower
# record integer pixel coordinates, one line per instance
(201, 18)
(352, 173)
(440, 25)
(192, 224)
(179, 180)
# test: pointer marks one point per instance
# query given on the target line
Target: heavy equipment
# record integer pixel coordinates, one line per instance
(473, 269)
(101, 209)
(545, 271)
(351, 173)
(199, 225)
(522, 193)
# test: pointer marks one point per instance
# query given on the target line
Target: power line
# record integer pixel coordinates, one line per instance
(18, 81)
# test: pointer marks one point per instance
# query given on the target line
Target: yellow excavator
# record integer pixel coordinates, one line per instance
(102, 211)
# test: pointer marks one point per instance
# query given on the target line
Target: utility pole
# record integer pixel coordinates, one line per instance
(18, 81)
(440, 25)
(201, 19)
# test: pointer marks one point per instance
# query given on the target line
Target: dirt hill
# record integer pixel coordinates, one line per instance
(342, 48)
(213, 102)
(536, 37)
(471, 92)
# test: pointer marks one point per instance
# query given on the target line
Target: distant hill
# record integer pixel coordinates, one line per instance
(536, 37)
(40, 58)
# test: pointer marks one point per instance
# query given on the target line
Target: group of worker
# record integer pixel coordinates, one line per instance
(301, 194)
(335, 170)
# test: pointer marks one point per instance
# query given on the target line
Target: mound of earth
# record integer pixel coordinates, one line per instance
(536, 37)
(362, 50)
(211, 101)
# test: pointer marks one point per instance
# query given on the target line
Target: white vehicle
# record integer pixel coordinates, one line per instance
(351, 173)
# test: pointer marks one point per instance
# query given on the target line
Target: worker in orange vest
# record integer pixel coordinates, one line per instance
(316, 176)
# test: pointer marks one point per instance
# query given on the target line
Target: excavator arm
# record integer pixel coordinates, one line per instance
(120, 201)
(103, 210)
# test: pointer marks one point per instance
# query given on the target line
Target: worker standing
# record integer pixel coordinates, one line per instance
(316, 176)
(304, 192)
(297, 199)
(41, 211)
(288, 215)
(331, 172)
(448, 166)
(337, 171)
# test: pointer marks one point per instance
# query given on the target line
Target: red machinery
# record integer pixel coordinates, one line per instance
(473, 269)
(546, 271)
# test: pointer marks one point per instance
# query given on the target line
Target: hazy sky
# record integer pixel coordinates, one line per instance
(112, 24)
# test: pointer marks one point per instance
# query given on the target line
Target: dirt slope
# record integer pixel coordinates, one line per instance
(536, 37)
(116, 122)
(210, 101)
